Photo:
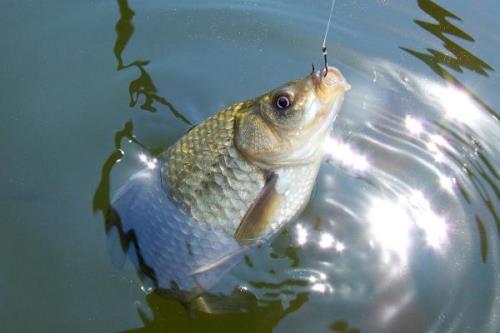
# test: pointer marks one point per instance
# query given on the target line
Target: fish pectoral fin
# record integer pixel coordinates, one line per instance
(260, 214)
(219, 262)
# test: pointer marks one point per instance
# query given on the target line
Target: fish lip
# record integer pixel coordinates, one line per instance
(333, 80)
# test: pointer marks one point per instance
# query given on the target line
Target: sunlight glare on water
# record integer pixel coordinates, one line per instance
(345, 155)
(457, 105)
(149, 162)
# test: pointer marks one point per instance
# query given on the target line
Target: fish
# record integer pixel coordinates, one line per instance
(229, 185)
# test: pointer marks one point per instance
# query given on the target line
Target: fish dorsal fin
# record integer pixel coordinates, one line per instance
(261, 213)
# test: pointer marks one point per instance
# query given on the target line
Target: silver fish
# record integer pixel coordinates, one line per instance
(231, 183)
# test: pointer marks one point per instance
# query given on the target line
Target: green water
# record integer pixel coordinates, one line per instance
(402, 237)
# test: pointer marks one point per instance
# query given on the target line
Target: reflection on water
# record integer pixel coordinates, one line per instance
(102, 199)
(343, 153)
(166, 315)
(400, 207)
(341, 326)
(459, 58)
(143, 85)
(461, 105)
(149, 162)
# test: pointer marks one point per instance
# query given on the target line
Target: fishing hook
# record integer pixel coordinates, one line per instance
(325, 53)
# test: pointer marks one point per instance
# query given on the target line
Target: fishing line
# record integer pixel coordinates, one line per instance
(323, 46)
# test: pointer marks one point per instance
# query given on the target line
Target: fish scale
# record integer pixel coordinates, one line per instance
(213, 164)
(171, 243)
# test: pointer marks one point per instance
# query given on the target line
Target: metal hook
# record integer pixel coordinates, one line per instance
(325, 53)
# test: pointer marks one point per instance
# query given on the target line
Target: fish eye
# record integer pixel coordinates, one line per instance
(282, 101)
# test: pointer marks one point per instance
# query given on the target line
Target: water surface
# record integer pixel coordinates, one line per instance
(402, 234)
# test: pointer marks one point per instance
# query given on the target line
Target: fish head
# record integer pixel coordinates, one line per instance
(288, 125)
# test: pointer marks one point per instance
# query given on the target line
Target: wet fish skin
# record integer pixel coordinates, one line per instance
(218, 170)
(164, 242)
(230, 183)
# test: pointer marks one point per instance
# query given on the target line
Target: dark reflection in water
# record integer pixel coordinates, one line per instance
(102, 199)
(258, 319)
(342, 326)
(481, 172)
(461, 57)
(143, 85)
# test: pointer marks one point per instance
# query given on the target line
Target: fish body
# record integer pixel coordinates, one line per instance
(209, 176)
(229, 184)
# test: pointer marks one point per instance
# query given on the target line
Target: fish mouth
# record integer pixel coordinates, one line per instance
(329, 82)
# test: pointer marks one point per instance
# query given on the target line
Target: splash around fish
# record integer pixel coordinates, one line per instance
(228, 185)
